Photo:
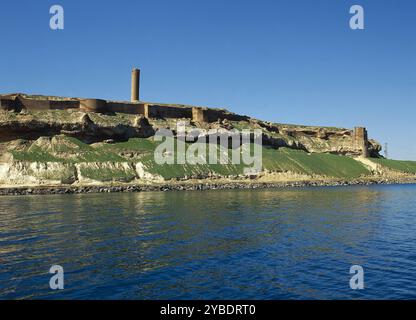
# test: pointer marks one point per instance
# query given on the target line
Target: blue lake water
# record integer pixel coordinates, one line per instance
(239, 244)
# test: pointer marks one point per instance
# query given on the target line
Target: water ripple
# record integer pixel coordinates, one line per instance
(263, 244)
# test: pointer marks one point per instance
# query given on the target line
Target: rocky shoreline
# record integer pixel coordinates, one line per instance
(195, 186)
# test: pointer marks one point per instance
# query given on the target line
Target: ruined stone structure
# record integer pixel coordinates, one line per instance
(320, 139)
(361, 140)
(135, 85)
(93, 105)
(198, 115)
(17, 102)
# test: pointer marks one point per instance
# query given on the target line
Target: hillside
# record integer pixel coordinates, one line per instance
(75, 148)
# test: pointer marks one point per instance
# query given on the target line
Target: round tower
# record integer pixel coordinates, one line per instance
(135, 84)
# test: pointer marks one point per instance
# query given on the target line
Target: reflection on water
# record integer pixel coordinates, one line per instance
(262, 244)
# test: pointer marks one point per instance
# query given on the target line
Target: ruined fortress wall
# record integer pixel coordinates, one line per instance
(62, 105)
(19, 103)
(8, 104)
(156, 111)
(198, 115)
(360, 137)
(93, 105)
(45, 104)
(122, 107)
(32, 104)
(210, 115)
(225, 115)
(141, 108)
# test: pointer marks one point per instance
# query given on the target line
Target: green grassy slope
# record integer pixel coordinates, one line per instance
(398, 165)
(298, 161)
(70, 150)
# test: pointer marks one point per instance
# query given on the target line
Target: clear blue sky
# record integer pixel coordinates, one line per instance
(286, 61)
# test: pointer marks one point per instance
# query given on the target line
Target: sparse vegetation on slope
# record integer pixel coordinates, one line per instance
(323, 164)
(70, 150)
(398, 165)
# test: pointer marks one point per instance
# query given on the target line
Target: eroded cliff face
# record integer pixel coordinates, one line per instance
(95, 127)
(57, 173)
(326, 140)
(70, 147)
(91, 127)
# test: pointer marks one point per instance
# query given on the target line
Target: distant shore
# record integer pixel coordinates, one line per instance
(194, 186)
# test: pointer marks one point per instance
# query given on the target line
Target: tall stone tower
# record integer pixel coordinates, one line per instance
(361, 141)
(135, 84)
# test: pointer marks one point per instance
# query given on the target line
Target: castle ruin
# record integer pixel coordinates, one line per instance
(201, 116)
(17, 102)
